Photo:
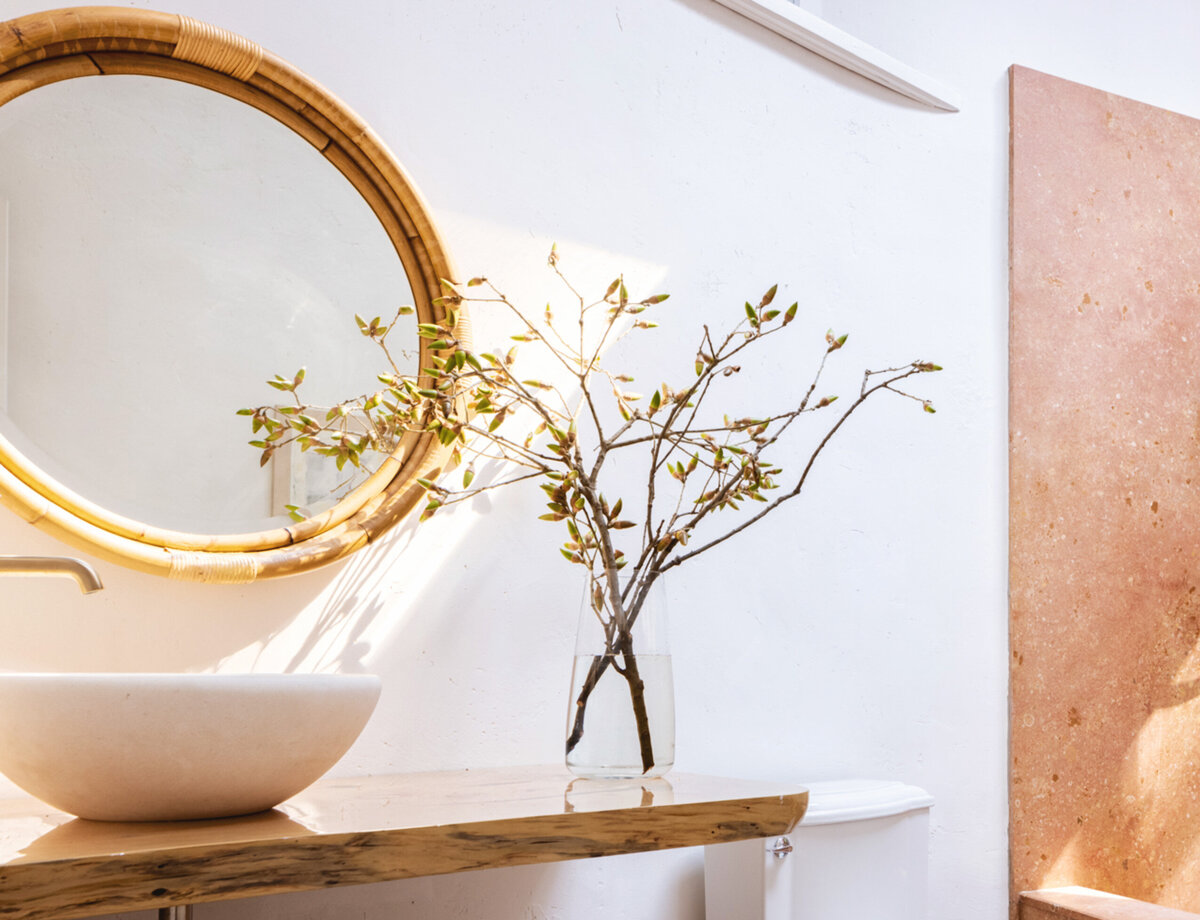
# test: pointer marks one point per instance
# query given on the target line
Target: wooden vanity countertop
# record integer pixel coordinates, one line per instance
(351, 831)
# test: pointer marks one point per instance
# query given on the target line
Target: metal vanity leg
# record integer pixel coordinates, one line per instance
(183, 912)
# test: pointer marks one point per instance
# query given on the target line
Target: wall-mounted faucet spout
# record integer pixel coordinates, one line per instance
(85, 576)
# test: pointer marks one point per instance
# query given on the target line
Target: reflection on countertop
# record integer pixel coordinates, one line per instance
(32, 831)
(353, 831)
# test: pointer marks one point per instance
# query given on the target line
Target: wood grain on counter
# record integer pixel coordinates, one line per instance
(370, 829)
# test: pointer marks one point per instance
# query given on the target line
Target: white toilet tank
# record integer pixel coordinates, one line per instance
(860, 853)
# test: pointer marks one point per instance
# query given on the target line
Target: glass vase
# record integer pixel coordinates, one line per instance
(621, 717)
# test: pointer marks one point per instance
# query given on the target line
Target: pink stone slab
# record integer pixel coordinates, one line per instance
(1104, 493)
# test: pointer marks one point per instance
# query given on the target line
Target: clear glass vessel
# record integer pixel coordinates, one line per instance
(621, 712)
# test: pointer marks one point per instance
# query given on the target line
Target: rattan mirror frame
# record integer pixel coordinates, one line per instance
(49, 47)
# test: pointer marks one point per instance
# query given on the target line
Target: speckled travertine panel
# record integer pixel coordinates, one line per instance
(1105, 493)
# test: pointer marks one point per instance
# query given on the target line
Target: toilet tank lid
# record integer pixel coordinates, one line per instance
(838, 801)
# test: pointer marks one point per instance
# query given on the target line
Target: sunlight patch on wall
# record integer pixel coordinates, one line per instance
(376, 592)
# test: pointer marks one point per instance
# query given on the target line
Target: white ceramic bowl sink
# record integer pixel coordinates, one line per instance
(164, 747)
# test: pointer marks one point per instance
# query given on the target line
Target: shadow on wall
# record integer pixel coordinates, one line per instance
(139, 622)
(330, 619)
(381, 588)
(326, 620)
(1105, 511)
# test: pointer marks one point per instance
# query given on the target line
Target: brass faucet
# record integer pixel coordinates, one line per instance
(85, 576)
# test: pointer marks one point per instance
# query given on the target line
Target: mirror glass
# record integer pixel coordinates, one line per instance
(164, 250)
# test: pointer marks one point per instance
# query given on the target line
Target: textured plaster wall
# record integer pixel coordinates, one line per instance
(862, 632)
(1105, 553)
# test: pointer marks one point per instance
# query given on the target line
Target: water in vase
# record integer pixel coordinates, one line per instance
(609, 745)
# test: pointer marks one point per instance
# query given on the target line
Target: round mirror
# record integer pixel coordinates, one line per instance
(177, 248)
(183, 216)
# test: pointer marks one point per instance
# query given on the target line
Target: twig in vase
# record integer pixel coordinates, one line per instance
(700, 472)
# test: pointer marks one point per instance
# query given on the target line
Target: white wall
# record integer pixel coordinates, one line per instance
(706, 157)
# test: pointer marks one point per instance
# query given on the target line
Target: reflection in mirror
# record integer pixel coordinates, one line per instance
(168, 250)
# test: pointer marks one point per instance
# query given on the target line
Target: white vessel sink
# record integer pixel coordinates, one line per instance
(163, 747)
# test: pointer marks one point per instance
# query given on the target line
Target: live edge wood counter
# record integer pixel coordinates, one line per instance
(370, 829)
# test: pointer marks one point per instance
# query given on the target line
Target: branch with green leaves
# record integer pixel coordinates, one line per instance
(351, 431)
(703, 480)
(695, 468)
